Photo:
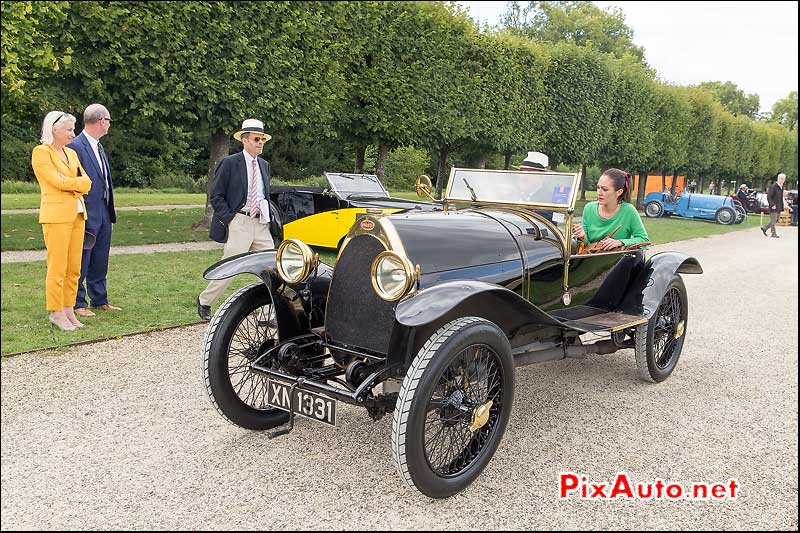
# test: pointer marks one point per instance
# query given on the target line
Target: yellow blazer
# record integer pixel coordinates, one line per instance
(62, 187)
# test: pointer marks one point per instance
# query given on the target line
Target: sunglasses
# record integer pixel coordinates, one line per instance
(108, 119)
(259, 139)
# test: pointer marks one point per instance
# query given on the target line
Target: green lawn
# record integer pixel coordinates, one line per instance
(661, 230)
(23, 232)
(155, 291)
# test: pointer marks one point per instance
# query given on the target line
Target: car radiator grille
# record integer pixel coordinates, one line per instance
(356, 315)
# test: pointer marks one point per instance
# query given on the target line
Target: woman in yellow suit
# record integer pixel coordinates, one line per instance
(62, 214)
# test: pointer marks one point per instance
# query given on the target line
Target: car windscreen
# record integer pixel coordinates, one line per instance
(346, 185)
(541, 189)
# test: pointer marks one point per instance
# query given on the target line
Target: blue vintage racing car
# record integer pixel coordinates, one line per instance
(721, 209)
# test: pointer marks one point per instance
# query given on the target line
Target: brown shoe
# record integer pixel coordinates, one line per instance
(84, 311)
(109, 307)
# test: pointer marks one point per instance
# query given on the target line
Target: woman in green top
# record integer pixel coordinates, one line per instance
(611, 209)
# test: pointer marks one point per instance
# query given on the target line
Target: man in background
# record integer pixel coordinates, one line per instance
(775, 200)
(99, 210)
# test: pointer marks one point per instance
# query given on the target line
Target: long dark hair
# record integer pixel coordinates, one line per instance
(621, 180)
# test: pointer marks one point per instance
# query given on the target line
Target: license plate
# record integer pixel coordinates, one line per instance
(308, 404)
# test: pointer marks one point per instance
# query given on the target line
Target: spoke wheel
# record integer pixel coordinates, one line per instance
(453, 407)
(243, 328)
(659, 342)
(653, 209)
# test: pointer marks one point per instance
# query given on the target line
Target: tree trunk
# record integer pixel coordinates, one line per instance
(380, 162)
(482, 162)
(361, 149)
(663, 179)
(218, 149)
(640, 193)
(444, 151)
(583, 181)
(674, 180)
(508, 161)
(700, 184)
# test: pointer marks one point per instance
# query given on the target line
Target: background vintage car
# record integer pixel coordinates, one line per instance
(322, 217)
(427, 314)
(721, 209)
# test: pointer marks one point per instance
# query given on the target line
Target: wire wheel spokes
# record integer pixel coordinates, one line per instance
(255, 333)
(668, 317)
(472, 379)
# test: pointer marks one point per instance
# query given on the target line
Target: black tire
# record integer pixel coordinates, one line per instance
(657, 349)
(241, 328)
(725, 216)
(653, 209)
(460, 368)
(741, 214)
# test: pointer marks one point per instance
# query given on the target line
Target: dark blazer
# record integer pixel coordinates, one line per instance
(229, 192)
(94, 200)
(775, 198)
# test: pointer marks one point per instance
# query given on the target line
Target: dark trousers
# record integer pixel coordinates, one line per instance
(94, 267)
(794, 215)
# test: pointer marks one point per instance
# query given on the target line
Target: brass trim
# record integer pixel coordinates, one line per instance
(680, 330)
(629, 325)
(310, 260)
(410, 272)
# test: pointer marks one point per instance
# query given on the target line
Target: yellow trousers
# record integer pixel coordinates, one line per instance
(64, 243)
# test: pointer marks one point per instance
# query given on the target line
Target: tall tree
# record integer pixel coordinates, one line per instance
(580, 23)
(733, 99)
(784, 111)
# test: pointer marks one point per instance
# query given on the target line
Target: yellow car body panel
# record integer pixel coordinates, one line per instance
(325, 229)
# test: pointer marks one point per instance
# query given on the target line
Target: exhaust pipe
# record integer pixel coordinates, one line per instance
(523, 358)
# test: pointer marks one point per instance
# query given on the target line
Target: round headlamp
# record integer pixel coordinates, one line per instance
(392, 276)
(295, 260)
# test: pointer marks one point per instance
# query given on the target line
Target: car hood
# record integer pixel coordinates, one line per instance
(446, 240)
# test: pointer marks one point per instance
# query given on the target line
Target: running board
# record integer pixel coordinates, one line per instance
(593, 320)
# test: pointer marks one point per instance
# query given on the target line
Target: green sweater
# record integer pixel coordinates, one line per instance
(631, 232)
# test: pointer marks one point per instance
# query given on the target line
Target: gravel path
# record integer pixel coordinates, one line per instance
(120, 434)
(121, 208)
(41, 255)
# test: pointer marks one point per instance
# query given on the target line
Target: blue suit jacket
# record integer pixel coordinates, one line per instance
(94, 200)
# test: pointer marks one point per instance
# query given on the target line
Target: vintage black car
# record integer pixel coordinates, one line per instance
(426, 316)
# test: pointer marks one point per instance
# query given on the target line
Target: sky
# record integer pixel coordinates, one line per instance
(752, 44)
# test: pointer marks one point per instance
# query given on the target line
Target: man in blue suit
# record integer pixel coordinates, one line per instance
(99, 209)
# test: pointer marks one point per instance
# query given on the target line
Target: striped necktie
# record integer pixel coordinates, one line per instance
(254, 192)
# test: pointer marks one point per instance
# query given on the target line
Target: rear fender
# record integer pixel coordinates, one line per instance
(298, 307)
(650, 285)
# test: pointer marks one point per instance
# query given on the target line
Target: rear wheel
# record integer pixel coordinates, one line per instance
(653, 209)
(453, 407)
(659, 342)
(725, 216)
(242, 328)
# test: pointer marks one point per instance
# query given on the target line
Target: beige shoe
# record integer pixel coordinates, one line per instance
(84, 311)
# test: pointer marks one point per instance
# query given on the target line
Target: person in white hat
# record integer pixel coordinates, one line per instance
(240, 198)
(536, 162)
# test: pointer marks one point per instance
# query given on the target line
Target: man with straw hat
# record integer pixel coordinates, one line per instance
(240, 198)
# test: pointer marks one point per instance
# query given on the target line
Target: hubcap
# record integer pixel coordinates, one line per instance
(480, 416)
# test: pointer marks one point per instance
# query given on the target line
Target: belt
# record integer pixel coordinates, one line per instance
(243, 212)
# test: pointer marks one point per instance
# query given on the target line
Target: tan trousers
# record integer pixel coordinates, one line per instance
(64, 243)
(773, 219)
(245, 234)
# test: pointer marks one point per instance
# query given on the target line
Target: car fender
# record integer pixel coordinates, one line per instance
(294, 316)
(452, 299)
(645, 292)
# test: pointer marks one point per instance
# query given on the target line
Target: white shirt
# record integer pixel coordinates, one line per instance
(248, 162)
(94, 142)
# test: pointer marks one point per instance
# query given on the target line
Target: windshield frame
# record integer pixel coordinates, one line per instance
(345, 195)
(567, 207)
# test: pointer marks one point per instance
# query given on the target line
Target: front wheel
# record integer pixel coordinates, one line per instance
(453, 407)
(741, 214)
(243, 327)
(659, 342)
(653, 209)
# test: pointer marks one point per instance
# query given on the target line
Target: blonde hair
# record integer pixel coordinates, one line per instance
(52, 120)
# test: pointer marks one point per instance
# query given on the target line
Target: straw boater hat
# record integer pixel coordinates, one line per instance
(251, 125)
(535, 161)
